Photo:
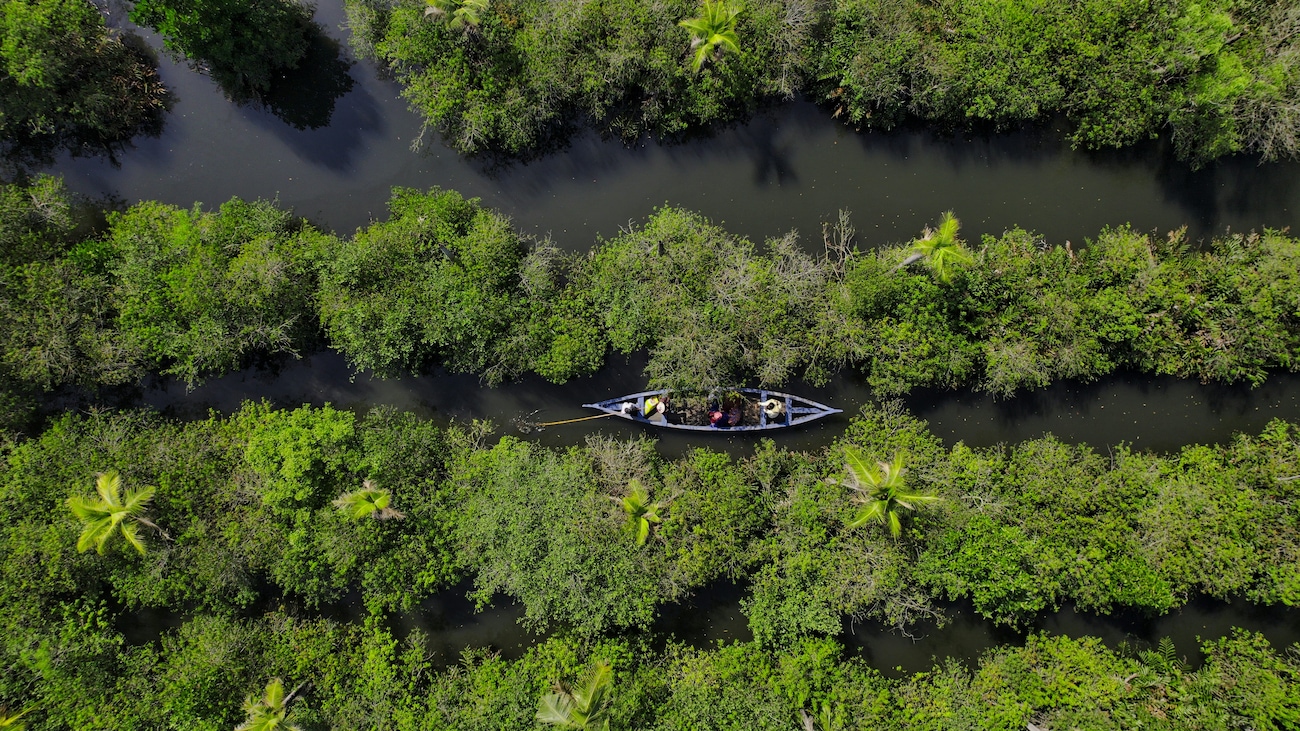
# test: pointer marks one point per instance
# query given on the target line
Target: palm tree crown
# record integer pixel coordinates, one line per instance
(111, 513)
(12, 721)
(368, 501)
(641, 513)
(458, 14)
(268, 712)
(880, 491)
(714, 30)
(586, 706)
(940, 248)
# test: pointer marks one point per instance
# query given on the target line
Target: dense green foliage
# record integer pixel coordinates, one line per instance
(1024, 528)
(247, 501)
(439, 282)
(198, 292)
(244, 500)
(66, 80)
(363, 677)
(1223, 76)
(242, 44)
(246, 504)
(529, 67)
(445, 282)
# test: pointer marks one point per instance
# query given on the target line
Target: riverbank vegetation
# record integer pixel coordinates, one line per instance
(225, 510)
(247, 513)
(67, 81)
(1220, 77)
(243, 45)
(445, 282)
(351, 676)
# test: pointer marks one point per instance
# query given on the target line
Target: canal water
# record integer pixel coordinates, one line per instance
(342, 149)
(338, 136)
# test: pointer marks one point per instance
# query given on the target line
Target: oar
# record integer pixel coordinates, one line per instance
(570, 421)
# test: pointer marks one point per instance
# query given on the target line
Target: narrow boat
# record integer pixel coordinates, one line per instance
(691, 411)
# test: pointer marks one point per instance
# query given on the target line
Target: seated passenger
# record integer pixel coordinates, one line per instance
(655, 405)
(773, 408)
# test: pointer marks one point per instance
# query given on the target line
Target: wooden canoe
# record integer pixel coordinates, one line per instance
(797, 411)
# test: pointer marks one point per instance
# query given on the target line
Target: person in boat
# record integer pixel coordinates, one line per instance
(773, 409)
(654, 406)
(727, 415)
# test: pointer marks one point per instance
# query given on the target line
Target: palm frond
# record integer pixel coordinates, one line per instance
(555, 709)
(593, 685)
(109, 486)
(871, 511)
(132, 536)
(274, 696)
(948, 227)
(87, 510)
(858, 468)
(715, 28)
(910, 500)
(13, 721)
(728, 39)
(369, 501)
(137, 500)
(102, 517)
(93, 532)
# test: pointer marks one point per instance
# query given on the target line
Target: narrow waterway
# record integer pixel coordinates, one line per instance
(339, 139)
(1157, 413)
(1153, 413)
(450, 624)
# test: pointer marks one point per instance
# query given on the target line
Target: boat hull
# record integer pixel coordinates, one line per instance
(797, 411)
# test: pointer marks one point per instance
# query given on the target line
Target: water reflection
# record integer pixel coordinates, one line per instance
(319, 111)
(966, 636)
(132, 69)
(304, 97)
(451, 625)
(790, 166)
(1157, 413)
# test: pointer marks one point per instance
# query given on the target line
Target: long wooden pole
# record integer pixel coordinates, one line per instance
(570, 421)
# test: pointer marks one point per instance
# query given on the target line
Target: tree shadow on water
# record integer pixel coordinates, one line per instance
(140, 110)
(305, 97)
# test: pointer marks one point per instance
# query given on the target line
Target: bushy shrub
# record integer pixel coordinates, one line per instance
(200, 293)
(65, 79)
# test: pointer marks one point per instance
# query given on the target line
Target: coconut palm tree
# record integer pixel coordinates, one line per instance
(368, 501)
(458, 14)
(880, 491)
(112, 513)
(585, 707)
(641, 513)
(714, 30)
(940, 248)
(269, 712)
(12, 721)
